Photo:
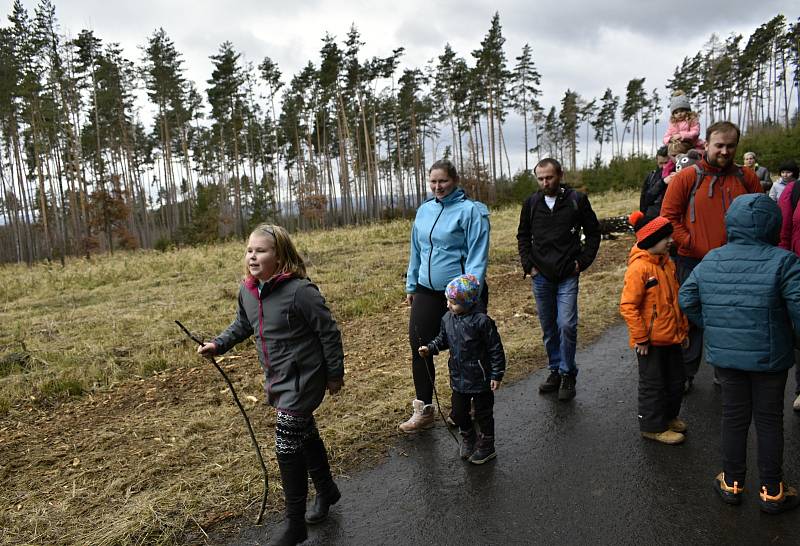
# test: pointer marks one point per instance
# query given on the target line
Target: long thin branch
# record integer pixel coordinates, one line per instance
(246, 420)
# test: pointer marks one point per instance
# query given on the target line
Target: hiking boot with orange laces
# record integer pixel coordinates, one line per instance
(667, 437)
(677, 425)
(728, 494)
(786, 499)
(421, 419)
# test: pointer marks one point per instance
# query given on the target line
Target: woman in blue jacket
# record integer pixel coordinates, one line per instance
(746, 294)
(450, 237)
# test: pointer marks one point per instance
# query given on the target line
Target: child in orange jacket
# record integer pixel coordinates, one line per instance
(658, 329)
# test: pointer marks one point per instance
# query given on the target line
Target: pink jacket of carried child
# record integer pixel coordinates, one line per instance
(687, 130)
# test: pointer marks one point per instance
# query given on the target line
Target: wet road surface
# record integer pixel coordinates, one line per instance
(566, 473)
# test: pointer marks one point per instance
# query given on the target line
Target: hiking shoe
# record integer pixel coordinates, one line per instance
(484, 450)
(567, 389)
(667, 437)
(728, 494)
(318, 511)
(468, 440)
(796, 405)
(677, 425)
(421, 419)
(552, 383)
(785, 500)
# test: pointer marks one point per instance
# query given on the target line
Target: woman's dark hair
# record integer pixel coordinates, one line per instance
(662, 152)
(447, 166)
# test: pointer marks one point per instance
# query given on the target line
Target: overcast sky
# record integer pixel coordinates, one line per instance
(577, 44)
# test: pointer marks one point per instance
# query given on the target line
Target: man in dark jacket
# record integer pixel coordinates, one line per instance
(551, 251)
(654, 187)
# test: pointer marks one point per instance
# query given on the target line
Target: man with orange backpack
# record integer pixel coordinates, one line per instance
(695, 203)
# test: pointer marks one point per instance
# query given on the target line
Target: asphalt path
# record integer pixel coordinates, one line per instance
(566, 473)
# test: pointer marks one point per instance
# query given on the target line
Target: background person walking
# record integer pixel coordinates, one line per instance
(790, 240)
(551, 251)
(762, 173)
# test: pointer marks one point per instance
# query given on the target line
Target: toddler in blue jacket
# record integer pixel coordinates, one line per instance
(477, 364)
(746, 294)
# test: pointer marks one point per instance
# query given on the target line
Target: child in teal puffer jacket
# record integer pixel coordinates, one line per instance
(746, 294)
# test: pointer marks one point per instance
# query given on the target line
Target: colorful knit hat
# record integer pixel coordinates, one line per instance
(649, 233)
(464, 290)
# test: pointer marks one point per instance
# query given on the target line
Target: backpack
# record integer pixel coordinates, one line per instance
(700, 175)
(538, 197)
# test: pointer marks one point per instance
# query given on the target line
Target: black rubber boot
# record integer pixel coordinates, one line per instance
(318, 511)
(328, 494)
(295, 490)
(484, 450)
(468, 439)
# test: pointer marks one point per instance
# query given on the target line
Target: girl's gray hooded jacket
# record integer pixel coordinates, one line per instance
(299, 345)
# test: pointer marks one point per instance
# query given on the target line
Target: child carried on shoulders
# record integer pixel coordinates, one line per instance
(683, 131)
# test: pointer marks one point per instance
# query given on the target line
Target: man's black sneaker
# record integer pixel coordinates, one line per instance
(567, 389)
(552, 383)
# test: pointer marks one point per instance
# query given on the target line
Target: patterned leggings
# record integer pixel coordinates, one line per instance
(292, 432)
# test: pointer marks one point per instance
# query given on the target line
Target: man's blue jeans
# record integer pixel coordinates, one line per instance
(557, 304)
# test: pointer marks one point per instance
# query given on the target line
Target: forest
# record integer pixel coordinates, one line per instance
(346, 140)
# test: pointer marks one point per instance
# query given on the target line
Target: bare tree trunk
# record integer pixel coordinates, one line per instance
(490, 129)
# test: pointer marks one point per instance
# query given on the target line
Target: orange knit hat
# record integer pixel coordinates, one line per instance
(649, 233)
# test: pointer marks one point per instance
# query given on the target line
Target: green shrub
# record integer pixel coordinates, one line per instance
(163, 244)
(622, 173)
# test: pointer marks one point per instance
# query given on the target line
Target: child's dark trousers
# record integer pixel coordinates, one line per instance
(484, 411)
(756, 396)
(661, 379)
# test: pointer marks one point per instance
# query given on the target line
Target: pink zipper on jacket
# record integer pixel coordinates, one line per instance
(253, 287)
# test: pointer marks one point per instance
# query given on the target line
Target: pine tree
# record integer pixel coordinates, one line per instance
(568, 121)
(225, 97)
(525, 90)
(491, 78)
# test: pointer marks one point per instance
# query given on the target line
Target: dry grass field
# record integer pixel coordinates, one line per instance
(112, 430)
